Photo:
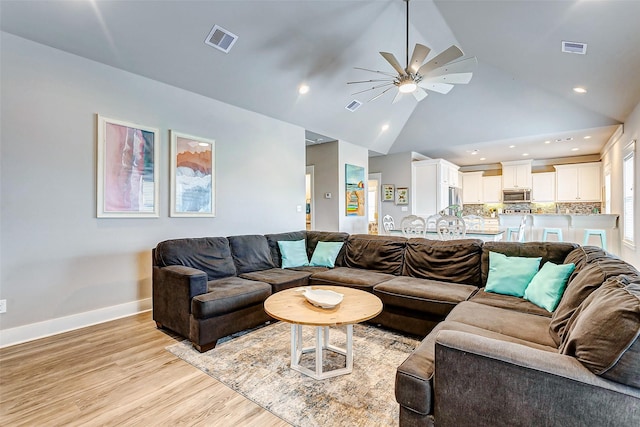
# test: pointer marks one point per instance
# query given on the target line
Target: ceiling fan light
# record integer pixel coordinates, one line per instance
(407, 87)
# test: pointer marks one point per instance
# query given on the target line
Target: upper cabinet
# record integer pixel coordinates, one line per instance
(472, 188)
(543, 187)
(430, 182)
(579, 182)
(492, 189)
(448, 173)
(516, 175)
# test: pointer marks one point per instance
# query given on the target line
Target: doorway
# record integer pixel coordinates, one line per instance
(373, 208)
(310, 223)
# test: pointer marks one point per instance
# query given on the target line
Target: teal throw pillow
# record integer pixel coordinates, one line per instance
(294, 253)
(547, 286)
(325, 254)
(510, 275)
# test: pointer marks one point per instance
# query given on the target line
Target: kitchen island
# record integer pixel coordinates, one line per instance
(486, 234)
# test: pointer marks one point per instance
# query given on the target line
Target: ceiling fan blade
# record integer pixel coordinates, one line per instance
(419, 94)
(375, 71)
(380, 94)
(372, 88)
(397, 97)
(420, 52)
(462, 66)
(394, 62)
(370, 81)
(456, 78)
(443, 88)
(453, 52)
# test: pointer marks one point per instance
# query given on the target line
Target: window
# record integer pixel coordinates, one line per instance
(627, 195)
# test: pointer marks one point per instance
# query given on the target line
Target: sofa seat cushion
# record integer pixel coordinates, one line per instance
(524, 326)
(590, 278)
(228, 295)
(456, 261)
(604, 333)
(414, 377)
(422, 295)
(352, 277)
(508, 302)
(209, 254)
(384, 254)
(279, 278)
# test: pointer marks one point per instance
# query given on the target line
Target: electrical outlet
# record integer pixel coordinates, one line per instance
(3, 305)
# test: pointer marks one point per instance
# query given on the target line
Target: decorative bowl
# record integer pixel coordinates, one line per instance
(322, 298)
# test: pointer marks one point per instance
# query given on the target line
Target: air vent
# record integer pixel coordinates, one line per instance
(221, 39)
(353, 105)
(574, 47)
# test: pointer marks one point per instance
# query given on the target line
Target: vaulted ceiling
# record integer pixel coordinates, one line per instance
(521, 92)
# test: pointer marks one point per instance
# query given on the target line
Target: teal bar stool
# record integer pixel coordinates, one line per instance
(547, 230)
(588, 232)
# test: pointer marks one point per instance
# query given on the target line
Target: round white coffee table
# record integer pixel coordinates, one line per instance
(292, 307)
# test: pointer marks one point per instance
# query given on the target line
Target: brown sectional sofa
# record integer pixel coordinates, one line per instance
(501, 359)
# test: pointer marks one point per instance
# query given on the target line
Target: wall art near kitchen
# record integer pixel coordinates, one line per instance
(402, 196)
(192, 176)
(354, 190)
(388, 192)
(128, 157)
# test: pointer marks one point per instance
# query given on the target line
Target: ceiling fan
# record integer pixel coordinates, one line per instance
(439, 74)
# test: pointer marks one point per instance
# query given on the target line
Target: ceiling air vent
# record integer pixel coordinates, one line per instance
(574, 47)
(221, 39)
(353, 105)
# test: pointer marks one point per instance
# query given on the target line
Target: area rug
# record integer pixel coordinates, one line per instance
(256, 365)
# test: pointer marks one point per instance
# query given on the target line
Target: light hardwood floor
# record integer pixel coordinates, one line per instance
(115, 373)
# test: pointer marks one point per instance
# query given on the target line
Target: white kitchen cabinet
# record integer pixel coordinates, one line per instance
(580, 182)
(472, 188)
(516, 175)
(492, 189)
(543, 187)
(430, 182)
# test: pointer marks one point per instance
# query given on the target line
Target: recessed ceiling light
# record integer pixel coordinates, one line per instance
(579, 90)
(587, 137)
(575, 149)
(525, 154)
(474, 152)
(303, 89)
(483, 158)
(547, 142)
(385, 127)
(512, 146)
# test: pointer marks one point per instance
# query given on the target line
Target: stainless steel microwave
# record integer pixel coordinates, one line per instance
(516, 196)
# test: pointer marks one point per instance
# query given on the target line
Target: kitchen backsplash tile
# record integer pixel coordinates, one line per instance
(536, 208)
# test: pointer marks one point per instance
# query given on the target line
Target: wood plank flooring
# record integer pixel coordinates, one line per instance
(115, 373)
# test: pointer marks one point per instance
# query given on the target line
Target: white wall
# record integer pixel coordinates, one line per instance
(612, 156)
(396, 170)
(358, 156)
(61, 267)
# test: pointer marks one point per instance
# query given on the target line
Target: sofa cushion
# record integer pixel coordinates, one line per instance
(251, 253)
(456, 261)
(384, 254)
(294, 253)
(279, 278)
(604, 333)
(352, 277)
(508, 302)
(581, 286)
(510, 275)
(209, 254)
(273, 239)
(228, 295)
(313, 237)
(555, 252)
(422, 295)
(584, 255)
(325, 254)
(547, 286)
(524, 326)
(414, 377)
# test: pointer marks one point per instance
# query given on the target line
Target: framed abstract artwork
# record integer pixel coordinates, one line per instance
(388, 192)
(402, 196)
(127, 170)
(192, 176)
(354, 190)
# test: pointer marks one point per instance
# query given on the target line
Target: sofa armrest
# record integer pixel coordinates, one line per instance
(483, 381)
(173, 288)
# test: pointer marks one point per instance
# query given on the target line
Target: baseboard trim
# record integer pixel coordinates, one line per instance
(33, 331)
